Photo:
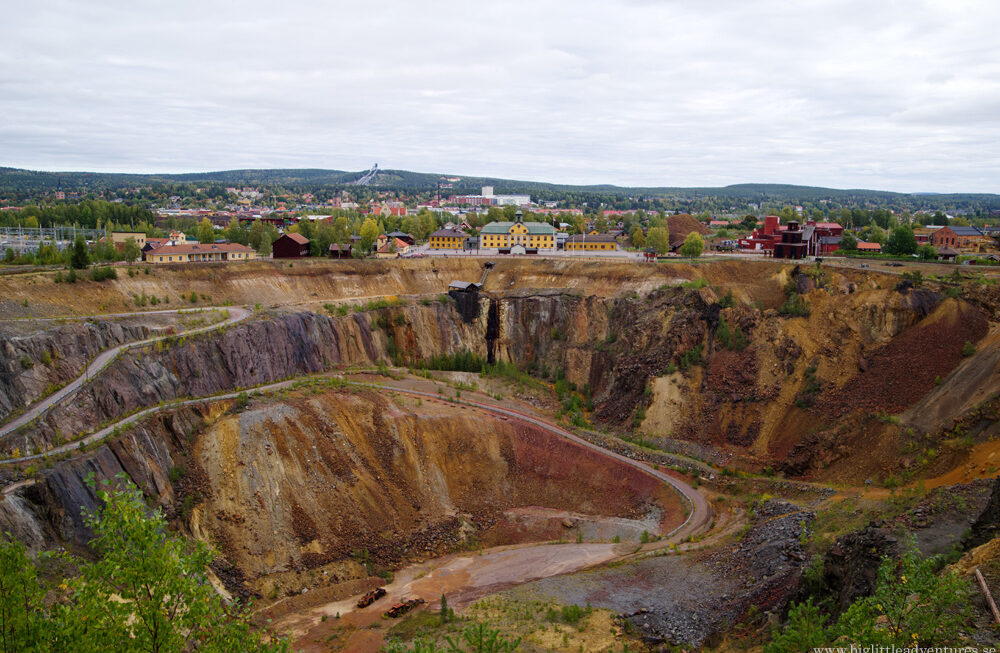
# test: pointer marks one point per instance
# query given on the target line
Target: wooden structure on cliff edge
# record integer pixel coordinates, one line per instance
(463, 286)
(466, 296)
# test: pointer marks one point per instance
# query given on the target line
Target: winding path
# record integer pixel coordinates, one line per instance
(698, 517)
(102, 360)
(700, 514)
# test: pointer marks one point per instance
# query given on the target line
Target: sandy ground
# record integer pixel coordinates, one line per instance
(463, 578)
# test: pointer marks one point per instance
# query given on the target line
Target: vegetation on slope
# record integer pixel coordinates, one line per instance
(144, 587)
(912, 606)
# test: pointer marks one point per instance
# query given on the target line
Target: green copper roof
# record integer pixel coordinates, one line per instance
(534, 228)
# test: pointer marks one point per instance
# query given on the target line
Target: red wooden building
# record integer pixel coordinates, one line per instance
(291, 245)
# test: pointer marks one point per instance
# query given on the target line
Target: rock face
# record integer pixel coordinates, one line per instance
(762, 570)
(987, 525)
(58, 505)
(308, 481)
(617, 350)
(249, 354)
(313, 478)
(851, 564)
(30, 364)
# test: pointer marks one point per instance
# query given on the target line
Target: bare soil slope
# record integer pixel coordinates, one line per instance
(310, 479)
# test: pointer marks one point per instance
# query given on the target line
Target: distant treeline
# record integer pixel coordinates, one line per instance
(18, 185)
(89, 214)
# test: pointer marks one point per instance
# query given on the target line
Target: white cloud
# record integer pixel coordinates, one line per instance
(898, 95)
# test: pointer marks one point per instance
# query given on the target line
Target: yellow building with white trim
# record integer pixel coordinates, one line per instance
(530, 235)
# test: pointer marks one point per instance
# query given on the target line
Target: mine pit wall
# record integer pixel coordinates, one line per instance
(24, 374)
(301, 483)
(277, 347)
(53, 511)
(613, 347)
(327, 475)
(249, 354)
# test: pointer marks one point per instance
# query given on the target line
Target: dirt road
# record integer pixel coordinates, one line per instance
(102, 360)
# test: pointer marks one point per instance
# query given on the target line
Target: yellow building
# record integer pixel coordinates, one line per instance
(120, 238)
(589, 243)
(199, 253)
(529, 235)
(447, 239)
(392, 248)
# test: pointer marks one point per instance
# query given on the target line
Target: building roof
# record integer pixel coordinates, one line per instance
(201, 248)
(334, 247)
(534, 228)
(297, 237)
(393, 245)
(869, 246)
(463, 285)
(593, 238)
(829, 240)
(448, 233)
(947, 251)
(966, 231)
(398, 234)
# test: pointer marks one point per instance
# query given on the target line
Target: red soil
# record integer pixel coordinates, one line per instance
(906, 368)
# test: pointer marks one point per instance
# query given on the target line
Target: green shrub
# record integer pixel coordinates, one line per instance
(27, 363)
(968, 349)
(691, 358)
(103, 274)
(794, 306)
(731, 338)
(241, 402)
(698, 283)
(572, 614)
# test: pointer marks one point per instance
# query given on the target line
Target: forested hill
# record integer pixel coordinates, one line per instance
(18, 181)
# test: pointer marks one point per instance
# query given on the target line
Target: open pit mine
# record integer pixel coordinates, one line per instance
(581, 456)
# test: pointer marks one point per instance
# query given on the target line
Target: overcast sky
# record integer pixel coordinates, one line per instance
(900, 95)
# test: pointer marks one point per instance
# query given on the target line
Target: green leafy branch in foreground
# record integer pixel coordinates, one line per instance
(912, 605)
(146, 590)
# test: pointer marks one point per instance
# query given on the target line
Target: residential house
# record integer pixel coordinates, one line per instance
(590, 243)
(119, 238)
(340, 251)
(392, 248)
(198, 253)
(447, 239)
(290, 245)
(402, 235)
